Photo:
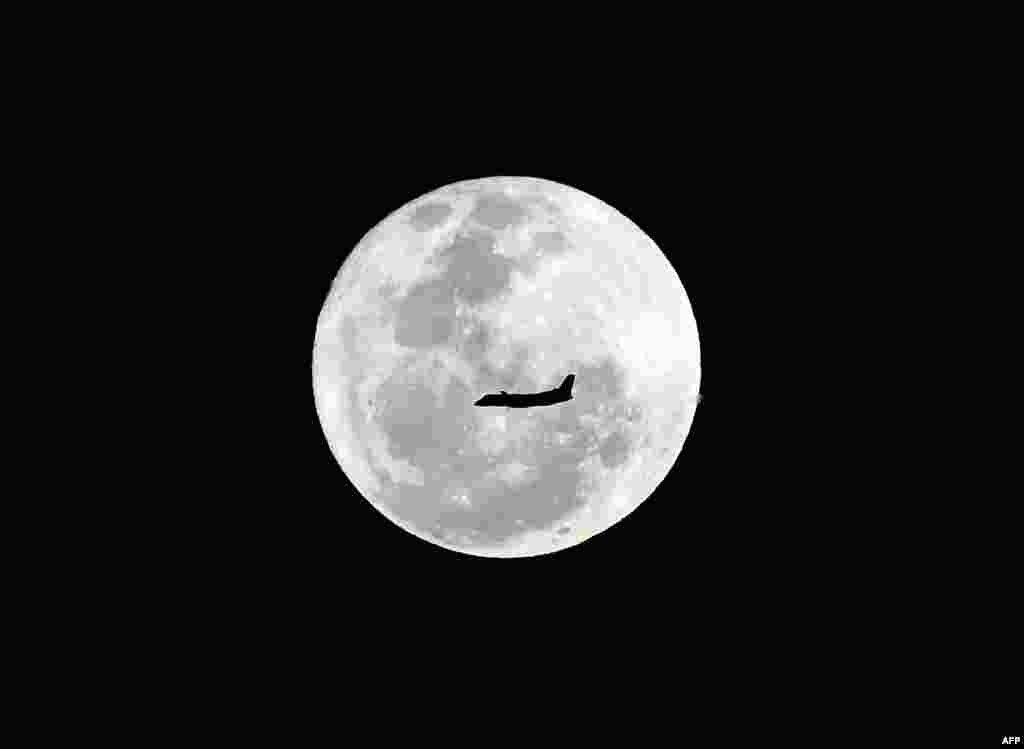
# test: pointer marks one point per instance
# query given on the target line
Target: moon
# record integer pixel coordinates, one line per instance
(506, 283)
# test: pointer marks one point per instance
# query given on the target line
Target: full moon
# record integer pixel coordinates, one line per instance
(506, 283)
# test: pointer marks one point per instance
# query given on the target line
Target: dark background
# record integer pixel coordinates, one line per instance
(782, 562)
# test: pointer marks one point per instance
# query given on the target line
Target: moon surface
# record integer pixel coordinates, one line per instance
(506, 284)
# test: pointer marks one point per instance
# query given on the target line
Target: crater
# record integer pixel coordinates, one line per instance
(615, 450)
(429, 215)
(550, 242)
(498, 210)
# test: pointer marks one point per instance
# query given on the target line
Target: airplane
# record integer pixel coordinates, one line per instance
(561, 394)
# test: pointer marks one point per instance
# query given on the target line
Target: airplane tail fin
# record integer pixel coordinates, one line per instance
(566, 386)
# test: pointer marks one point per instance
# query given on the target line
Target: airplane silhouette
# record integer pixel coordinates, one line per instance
(561, 394)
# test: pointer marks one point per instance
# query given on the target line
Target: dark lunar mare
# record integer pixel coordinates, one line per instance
(435, 436)
(430, 215)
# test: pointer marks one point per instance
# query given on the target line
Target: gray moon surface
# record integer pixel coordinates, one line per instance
(506, 283)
